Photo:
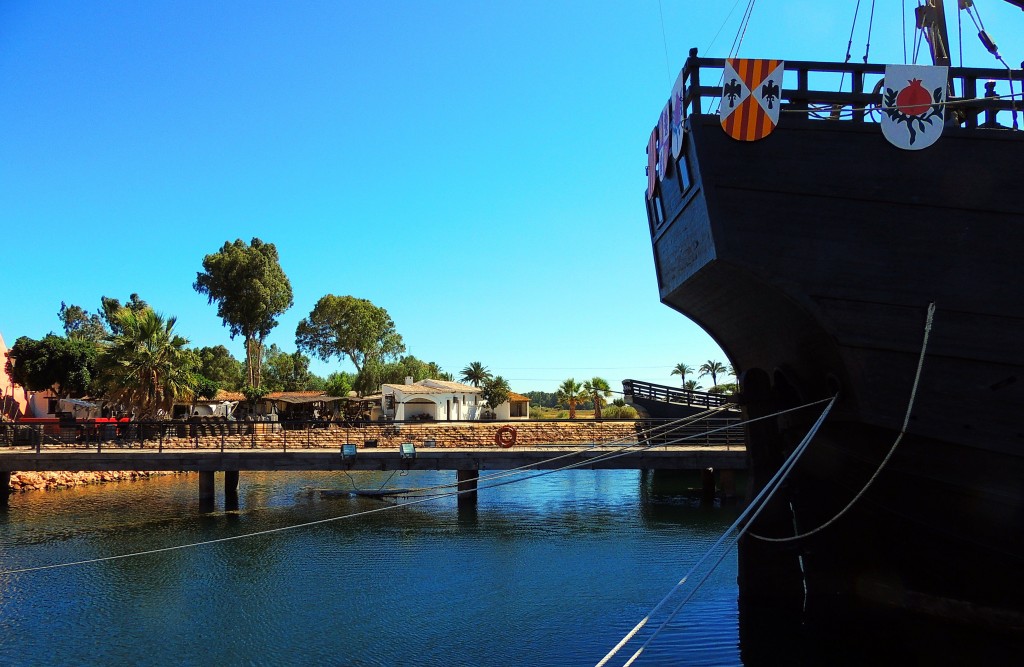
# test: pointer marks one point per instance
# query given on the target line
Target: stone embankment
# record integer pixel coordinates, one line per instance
(38, 481)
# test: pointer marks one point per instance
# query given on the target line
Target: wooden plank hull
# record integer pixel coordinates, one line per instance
(812, 256)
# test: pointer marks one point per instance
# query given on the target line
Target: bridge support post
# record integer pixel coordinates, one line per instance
(467, 486)
(727, 479)
(231, 489)
(5, 487)
(206, 492)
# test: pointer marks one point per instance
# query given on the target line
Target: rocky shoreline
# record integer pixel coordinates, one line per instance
(41, 481)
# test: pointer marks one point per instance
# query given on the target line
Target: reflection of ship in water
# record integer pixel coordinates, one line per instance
(811, 256)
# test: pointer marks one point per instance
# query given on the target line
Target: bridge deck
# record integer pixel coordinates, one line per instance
(663, 457)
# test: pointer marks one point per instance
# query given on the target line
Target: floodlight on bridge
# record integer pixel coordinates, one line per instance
(407, 451)
(348, 452)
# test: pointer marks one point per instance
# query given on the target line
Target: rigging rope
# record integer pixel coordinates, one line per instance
(378, 509)
(753, 510)
(744, 26)
(892, 450)
(661, 430)
(664, 42)
(849, 44)
(990, 46)
(707, 49)
(871, 23)
(904, 32)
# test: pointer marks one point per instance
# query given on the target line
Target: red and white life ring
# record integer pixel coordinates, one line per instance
(505, 437)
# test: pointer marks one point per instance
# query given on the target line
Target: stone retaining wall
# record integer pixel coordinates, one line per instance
(444, 434)
(460, 434)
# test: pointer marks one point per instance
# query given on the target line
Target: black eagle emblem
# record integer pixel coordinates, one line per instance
(770, 92)
(731, 91)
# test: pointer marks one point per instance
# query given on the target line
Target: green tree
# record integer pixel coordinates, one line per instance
(344, 326)
(339, 384)
(284, 371)
(79, 323)
(727, 388)
(599, 391)
(475, 374)
(205, 387)
(495, 390)
(216, 363)
(621, 412)
(251, 291)
(109, 306)
(544, 399)
(570, 393)
(147, 366)
(65, 365)
(712, 368)
(682, 370)
(375, 373)
(691, 386)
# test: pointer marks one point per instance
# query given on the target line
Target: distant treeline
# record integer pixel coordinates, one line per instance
(547, 399)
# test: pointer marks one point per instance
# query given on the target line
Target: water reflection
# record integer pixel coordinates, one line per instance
(570, 560)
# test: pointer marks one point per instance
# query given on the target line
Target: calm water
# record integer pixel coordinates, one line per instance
(550, 571)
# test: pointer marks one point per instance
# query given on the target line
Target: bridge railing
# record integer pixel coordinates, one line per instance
(676, 395)
(229, 435)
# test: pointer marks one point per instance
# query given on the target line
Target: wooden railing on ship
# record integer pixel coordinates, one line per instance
(855, 91)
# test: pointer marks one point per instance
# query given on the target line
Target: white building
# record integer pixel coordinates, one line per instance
(439, 400)
(516, 407)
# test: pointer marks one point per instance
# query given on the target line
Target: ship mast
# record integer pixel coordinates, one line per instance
(931, 18)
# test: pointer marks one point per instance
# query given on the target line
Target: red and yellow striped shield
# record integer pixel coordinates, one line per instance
(750, 97)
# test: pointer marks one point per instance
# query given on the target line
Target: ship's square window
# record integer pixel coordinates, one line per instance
(683, 172)
(657, 209)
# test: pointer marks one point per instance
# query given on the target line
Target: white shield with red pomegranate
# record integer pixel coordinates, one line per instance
(914, 105)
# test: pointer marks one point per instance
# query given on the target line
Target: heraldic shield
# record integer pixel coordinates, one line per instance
(914, 103)
(750, 97)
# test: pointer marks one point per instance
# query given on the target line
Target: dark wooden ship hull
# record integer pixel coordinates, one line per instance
(811, 257)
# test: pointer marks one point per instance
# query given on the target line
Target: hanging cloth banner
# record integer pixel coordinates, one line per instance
(664, 140)
(652, 162)
(914, 101)
(677, 116)
(750, 97)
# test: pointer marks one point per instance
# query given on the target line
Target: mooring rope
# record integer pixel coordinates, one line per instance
(892, 450)
(668, 428)
(753, 510)
(366, 512)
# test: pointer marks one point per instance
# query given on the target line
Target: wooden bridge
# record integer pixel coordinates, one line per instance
(465, 447)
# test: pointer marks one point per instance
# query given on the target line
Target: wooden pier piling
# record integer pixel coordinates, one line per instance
(467, 480)
(206, 489)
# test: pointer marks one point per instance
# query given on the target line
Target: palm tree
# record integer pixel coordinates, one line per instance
(475, 373)
(681, 370)
(570, 393)
(712, 368)
(599, 390)
(691, 386)
(146, 366)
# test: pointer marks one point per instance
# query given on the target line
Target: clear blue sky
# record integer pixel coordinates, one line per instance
(476, 168)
